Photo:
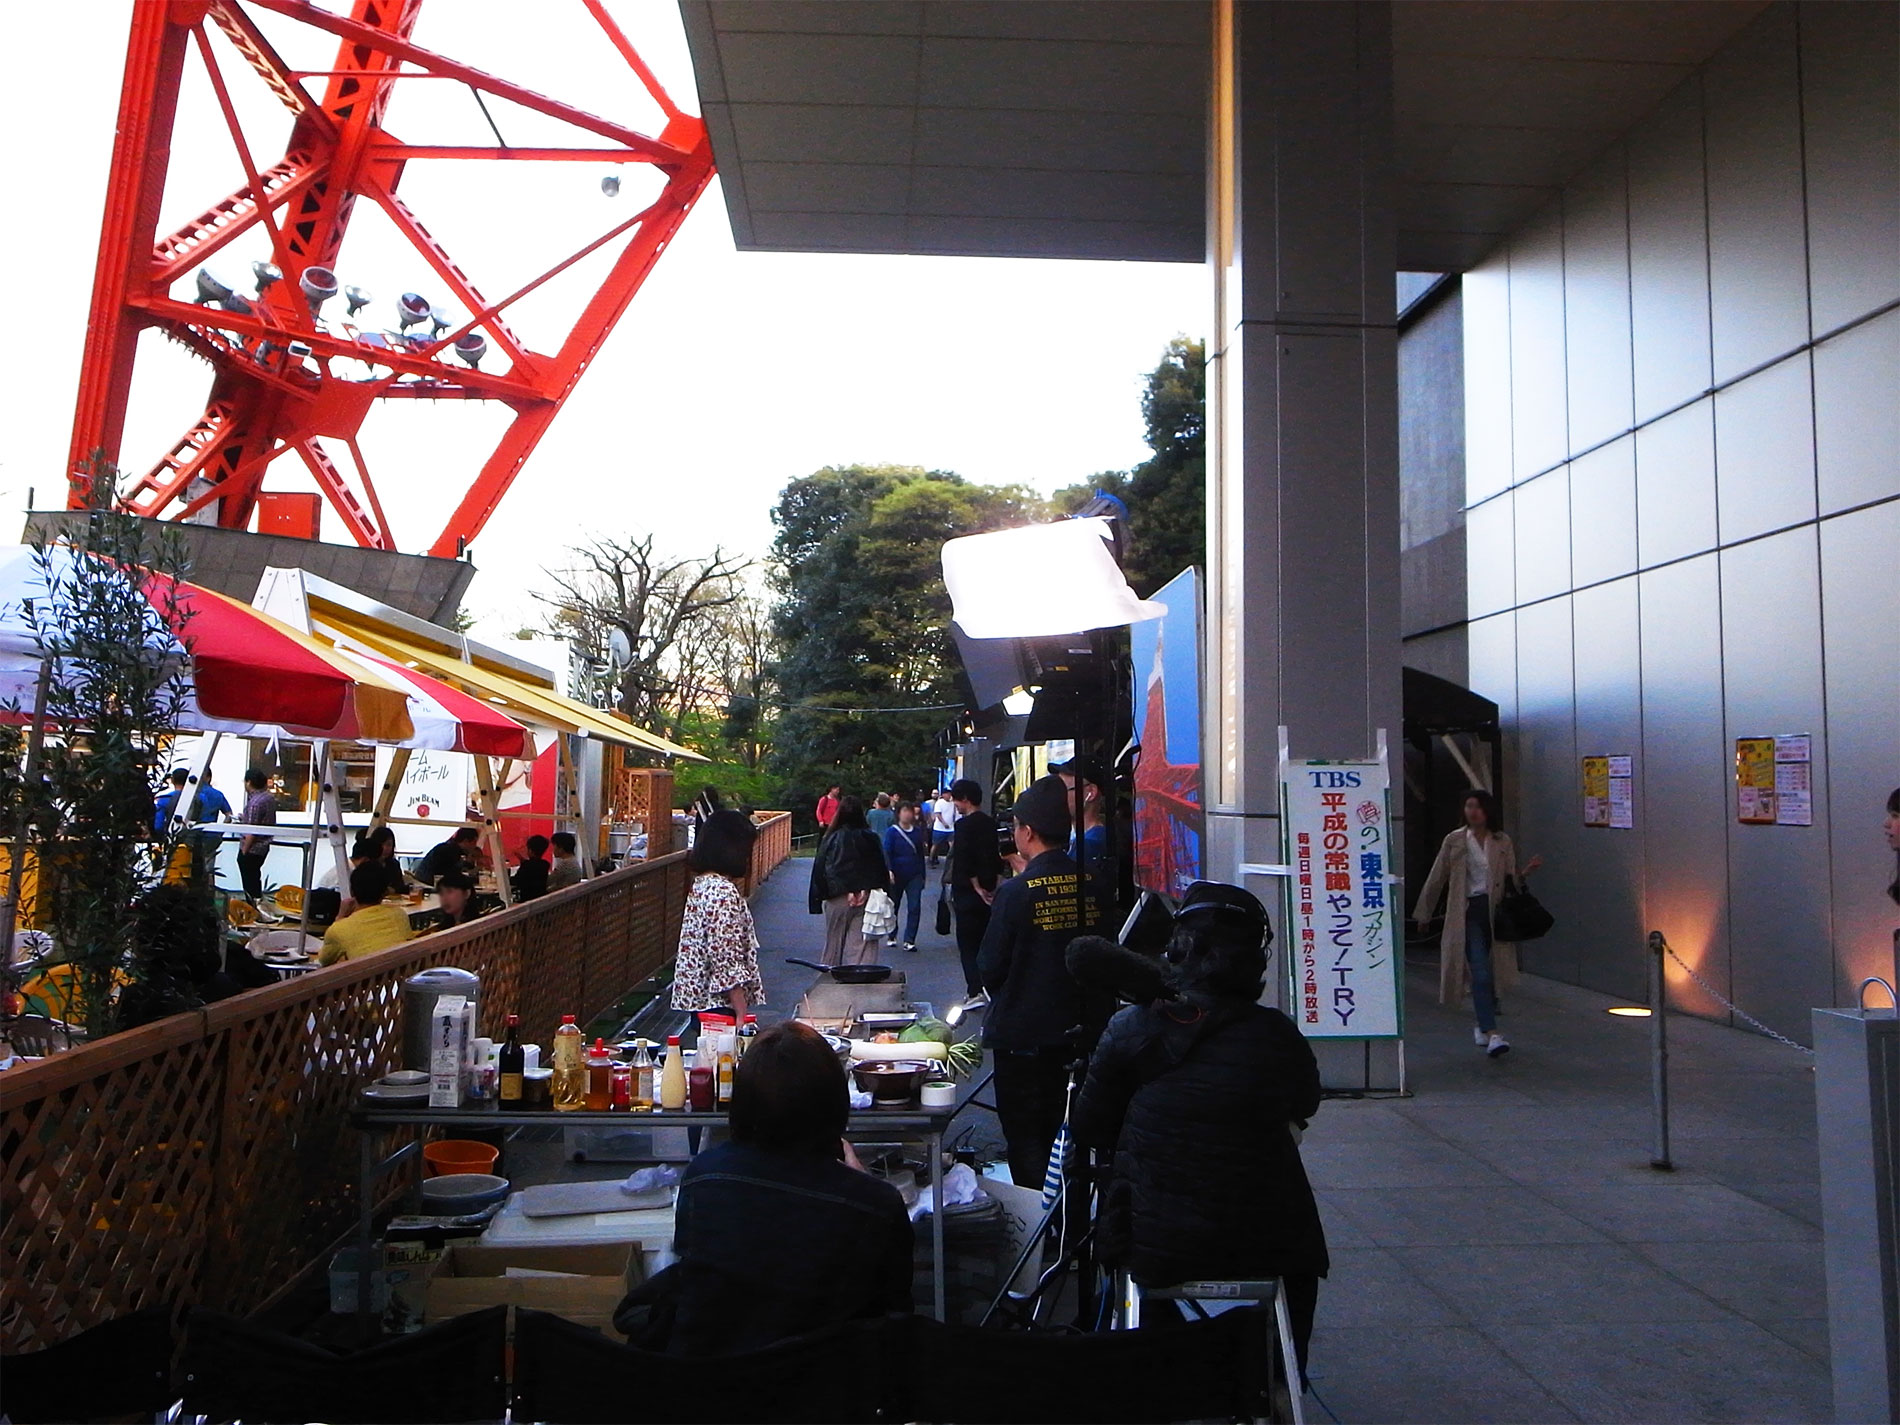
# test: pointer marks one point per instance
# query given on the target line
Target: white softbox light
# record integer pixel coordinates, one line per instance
(1043, 580)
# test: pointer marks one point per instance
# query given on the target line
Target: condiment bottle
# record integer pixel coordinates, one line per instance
(513, 1061)
(723, 1082)
(642, 1078)
(621, 1098)
(700, 1090)
(748, 1031)
(673, 1076)
(570, 1074)
(600, 1077)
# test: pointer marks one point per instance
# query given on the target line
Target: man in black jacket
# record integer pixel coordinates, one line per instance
(1034, 1001)
(975, 866)
(1200, 1097)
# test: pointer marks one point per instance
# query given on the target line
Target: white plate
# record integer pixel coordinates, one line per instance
(396, 1093)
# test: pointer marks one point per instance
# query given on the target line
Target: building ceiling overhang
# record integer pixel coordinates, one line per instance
(1076, 128)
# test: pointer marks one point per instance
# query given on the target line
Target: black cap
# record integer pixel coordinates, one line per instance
(1044, 809)
(1086, 768)
(1217, 898)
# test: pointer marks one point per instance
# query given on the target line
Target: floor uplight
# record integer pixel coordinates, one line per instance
(1630, 1011)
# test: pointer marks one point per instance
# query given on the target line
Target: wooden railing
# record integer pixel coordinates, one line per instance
(208, 1159)
(774, 844)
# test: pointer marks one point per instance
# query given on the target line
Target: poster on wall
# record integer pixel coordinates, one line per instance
(434, 787)
(1755, 781)
(1166, 654)
(1794, 782)
(1345, 973)
(1609, 792)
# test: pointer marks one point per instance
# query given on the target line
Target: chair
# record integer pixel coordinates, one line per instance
(117, 1369)
(300, 940)
(1198, 1370)
(1263, 1291)
(572, 1375)
(289, 899)
(240, 913)
(36, 1036)
(448, 1372)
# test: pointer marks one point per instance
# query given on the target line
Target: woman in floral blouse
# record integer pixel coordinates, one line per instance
(718, 965)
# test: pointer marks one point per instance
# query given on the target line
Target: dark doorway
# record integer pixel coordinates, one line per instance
(1451, 745)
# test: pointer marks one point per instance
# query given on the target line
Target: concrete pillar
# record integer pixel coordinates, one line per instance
(1303, 494)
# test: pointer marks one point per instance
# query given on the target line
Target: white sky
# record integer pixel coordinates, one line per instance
(730, 374)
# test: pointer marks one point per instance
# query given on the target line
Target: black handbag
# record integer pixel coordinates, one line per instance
(943, 905)
(1520, 915)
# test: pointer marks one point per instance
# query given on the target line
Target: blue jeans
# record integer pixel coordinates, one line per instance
(1484, 990)
(910, 894)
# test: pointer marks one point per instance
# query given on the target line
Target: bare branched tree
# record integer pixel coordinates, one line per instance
(657, 603)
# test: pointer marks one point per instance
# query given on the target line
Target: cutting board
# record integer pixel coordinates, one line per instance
(577, 1199)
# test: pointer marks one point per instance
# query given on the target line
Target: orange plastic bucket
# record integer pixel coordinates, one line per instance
(448, 1156)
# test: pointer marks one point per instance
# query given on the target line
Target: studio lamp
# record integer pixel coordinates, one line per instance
(211, 288)
(266, 273)
(471, 349)
(610, 185)
(358, 298)
(439, 321)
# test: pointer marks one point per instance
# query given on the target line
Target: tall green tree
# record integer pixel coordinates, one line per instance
(866, 672)
(1166, 494)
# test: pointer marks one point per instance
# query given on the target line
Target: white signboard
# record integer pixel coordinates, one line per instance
(434, 788)
(1342, 954)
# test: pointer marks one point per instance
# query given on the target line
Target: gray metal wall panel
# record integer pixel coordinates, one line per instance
(1669, 275)
(1603, 513)
(1608, 871)
(1862, 600)
(1487, 299)
(1764, 451)
(1546, 763)
(1675, 485)
(1432, 423)
(1491, 650)
(1757, 242)
(1857, 415)
(1490, 560)
(1851, 110)
(1540, 433)
(1597, 301)
(1778, 875)
(1543, 536)
(1684, 790)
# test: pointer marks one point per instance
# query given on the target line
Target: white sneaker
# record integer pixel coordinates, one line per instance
(1479, 1037)
(977, 1000)
(1496, 1046)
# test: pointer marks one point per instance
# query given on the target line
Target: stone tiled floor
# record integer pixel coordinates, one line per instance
(1503, 1251)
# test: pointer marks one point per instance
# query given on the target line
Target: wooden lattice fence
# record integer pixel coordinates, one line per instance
(208, 1158)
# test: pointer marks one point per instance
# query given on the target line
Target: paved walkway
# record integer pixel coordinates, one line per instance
(1502, 1250)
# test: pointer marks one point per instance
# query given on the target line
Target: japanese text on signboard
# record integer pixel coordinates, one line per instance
(1344, 969)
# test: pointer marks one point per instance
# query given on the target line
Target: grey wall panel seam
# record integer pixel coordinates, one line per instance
(1805, 348)
(1684, 558)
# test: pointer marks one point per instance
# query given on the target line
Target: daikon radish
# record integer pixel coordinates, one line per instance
(886, 1053)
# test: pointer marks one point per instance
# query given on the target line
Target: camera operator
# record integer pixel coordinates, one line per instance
(1199, 1096)
(1034, 1001)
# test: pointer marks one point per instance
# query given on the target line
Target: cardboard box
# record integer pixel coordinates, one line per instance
(470, 1277)
(448, 1051)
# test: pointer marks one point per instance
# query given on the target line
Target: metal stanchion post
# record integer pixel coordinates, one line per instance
(1659, 1050)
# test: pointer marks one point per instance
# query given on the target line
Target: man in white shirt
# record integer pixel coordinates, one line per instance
(943, 823)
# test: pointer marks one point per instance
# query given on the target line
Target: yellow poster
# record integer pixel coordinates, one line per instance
(1755, 780)
(1596, 791)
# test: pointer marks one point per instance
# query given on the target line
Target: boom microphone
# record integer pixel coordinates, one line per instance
(1099, 964)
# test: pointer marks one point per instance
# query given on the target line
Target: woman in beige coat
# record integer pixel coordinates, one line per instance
(1474, 863)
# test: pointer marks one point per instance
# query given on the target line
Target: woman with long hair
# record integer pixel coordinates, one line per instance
(848, 867)
(718, 963)
(1474, 866)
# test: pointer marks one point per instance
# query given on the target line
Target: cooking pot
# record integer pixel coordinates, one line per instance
(892, 1081)
(847, 974)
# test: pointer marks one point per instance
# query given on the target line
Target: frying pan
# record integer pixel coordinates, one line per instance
(847, 974)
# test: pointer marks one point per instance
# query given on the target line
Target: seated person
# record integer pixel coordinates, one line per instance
(531, 876)
(567, 861)
(383, 839)
(457, 855)
(1198, 1097)
(370, 925)
(457, 892)
(778, 1232)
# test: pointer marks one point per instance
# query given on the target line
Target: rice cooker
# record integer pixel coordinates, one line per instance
(419, 995)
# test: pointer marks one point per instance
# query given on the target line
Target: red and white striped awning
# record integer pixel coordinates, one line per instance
(446, 718)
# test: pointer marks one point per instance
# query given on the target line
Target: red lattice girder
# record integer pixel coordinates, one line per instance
(284, 379)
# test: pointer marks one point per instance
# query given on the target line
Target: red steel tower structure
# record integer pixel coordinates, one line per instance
(286, 376)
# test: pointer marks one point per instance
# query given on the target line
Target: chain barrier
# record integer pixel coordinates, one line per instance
(1733, 1009)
